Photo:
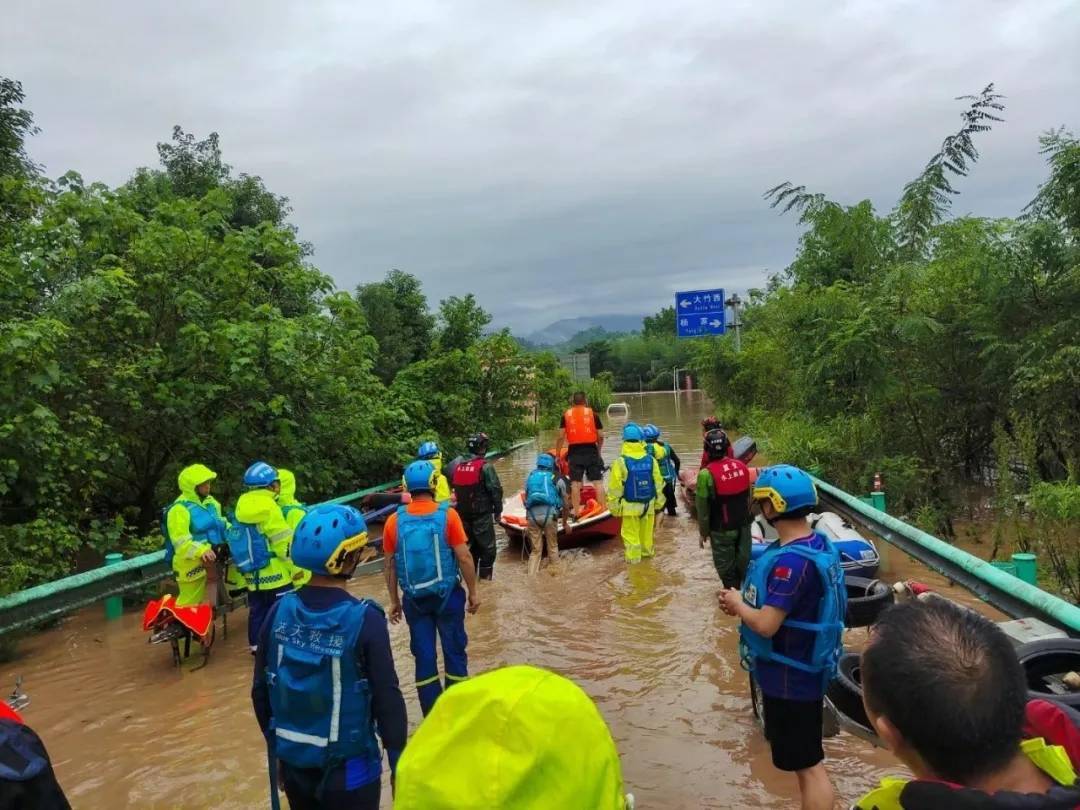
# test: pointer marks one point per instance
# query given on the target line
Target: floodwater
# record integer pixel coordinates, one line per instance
(648, 643)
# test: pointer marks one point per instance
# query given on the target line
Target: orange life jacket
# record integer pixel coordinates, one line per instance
(580, 425)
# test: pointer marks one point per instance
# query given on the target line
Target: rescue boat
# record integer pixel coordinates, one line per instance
(595, 524)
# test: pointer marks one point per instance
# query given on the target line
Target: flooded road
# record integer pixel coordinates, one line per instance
(127, 729)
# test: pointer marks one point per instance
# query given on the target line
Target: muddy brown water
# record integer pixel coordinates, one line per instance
(648, 643)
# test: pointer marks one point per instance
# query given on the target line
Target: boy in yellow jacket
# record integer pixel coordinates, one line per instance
(636, 493)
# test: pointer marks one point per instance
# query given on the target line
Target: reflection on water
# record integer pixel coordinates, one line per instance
(647, 643)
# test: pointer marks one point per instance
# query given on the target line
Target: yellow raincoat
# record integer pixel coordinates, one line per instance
(187, 548)
(541, 741)
(638, 520)
(294, 512)
(442, 486)
(259, 507)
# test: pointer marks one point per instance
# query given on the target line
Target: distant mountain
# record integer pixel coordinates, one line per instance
(562, 331)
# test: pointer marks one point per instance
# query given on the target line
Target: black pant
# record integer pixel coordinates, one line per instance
(480, 529)
(669, 495)
(301, 787)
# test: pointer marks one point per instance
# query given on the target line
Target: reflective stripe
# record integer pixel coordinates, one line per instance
(300, 737)
(279, 535)
(335, 712)
(280, 653)
(426, 681)
(450, 677)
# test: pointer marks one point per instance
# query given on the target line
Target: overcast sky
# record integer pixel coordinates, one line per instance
(556, 158)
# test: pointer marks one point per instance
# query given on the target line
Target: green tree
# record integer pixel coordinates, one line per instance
(661, 325)
(461, 322)
(397, 316)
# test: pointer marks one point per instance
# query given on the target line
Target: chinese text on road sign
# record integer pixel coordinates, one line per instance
(699, 312)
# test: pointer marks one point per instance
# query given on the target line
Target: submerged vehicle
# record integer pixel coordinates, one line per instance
(595, 524)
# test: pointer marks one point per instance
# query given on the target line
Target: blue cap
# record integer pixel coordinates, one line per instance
(789, 488)
(651, 432)
(325, 536)
(428, 450)
(632, 432)
(545, 461)
(260, 474)
(420, 475)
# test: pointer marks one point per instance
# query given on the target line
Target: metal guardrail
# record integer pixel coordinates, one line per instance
(50, 600)
(1000, 589)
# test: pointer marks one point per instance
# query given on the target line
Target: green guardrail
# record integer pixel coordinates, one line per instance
(50, 600)
(990, 583)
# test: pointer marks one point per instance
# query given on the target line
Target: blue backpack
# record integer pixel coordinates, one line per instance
(639, 487)
(667, 466)
(320, 701)
(541, 490)
(829, 626)
(425, 563)
(206, 526)
(248, 547)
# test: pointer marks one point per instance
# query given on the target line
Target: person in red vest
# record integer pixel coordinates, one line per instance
(582, 431)
(723, 507)
(478, 497)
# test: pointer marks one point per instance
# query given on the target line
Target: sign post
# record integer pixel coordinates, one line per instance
(699, 313)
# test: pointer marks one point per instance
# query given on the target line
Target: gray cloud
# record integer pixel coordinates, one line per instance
(555, 158)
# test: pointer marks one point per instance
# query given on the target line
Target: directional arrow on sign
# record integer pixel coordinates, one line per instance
(685, 303)
(714, 324)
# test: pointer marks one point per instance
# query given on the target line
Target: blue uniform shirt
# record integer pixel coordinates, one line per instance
(795, 587)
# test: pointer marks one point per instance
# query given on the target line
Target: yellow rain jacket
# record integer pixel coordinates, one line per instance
(188, 549)
(442, 486)
(259, 507)
(294, 512)
(542, 740)
(617, 480)
(1050, 759)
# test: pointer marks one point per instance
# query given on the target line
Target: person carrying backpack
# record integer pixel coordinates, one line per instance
(426, 555)
(429, 451)
(792, 607)
(545, 500)
(191, 526)
(670, 463)
(294, 512)
(723, 507)
(324, 674)
(259, 541)
(479, 496)
(636, 493)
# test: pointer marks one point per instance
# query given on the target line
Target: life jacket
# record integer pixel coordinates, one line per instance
(541, 490)
(828, 628)
(580, 425)
(206, 526)
(311, 668)
(667, 466)
(426, 565)
(293, 507)
(895, 793)
(639, 486)
(468, 480)
(730, 502)
(248, 547)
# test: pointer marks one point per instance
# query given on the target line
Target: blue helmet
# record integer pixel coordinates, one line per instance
(260, 474)
(651, 432)
(787, 487)
(428, 450)
(325, 536)
(420, 475)
(545, 461)
(632, 432)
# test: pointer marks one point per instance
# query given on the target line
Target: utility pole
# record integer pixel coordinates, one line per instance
(735, 302)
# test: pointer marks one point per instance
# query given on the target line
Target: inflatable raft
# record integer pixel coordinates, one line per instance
(858, 555)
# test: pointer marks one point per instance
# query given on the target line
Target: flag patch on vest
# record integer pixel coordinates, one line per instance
(782, 572)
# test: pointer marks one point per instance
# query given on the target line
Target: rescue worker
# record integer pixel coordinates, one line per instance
(324, 674)
(582, 433)
(426, 554)
(636, 493)
(192, 525)
(723, 508)
(792, 607)
(545, 501)
(259, 544)
(710, 423)
(670, 463)
(294, 512)
(429, 451)
(538, 739)
(478, 495)
(27, 779)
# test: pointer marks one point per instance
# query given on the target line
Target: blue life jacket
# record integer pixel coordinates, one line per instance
(667, 466)
(206, 526)
(639, 486)
(248, 547)
(319, 701)
(828, 629)
(541, 490)
(425, 563)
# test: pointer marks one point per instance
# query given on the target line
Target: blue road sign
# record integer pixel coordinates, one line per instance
(699, 312)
